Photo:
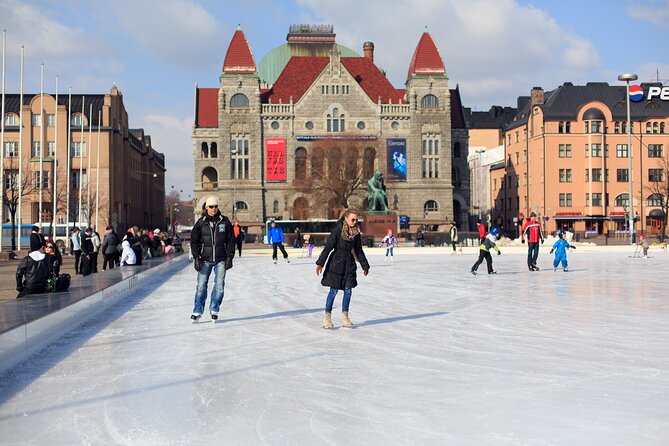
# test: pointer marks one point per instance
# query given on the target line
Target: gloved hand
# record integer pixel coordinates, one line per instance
(499, 253)
(365, 272)
(228, 263)
(197, 263)
(522, 241)
(572, 246)
(542, 241)
(552, 251)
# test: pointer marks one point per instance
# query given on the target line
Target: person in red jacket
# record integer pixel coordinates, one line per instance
(482, 232)
(533, 233)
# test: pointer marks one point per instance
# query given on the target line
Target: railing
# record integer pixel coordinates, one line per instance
(395, 109)
(277, 109)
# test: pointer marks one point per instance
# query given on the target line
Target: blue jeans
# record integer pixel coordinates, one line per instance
(331, 297)
(201, 287)
(389, 251)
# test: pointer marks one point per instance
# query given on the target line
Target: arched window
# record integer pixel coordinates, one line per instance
(241, 206)
(275, 207)
(662, 128)
(429, 101)
(430, 206)
(616, 127)
(11, 120)
(239, 101)
(209, 178)
(205, 150)
(655, 127)
(567, 127)
(317, 163)
(213, 151)
(561, 127)
(455, 177)
(301, 163)
(655, 200)
(648, 127)
(76, 120)
(622, 200)
(456, 150)
(335, 121)
(368, 162)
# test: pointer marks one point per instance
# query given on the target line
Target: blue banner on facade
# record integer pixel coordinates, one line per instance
(396, 156)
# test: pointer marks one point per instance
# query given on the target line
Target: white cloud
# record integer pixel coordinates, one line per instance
(178, 32)
(485, 44)
(655, 12)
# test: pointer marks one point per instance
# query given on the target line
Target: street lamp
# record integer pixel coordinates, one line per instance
(173, 206)
(233, 153)
(627, 78)
(480, 199)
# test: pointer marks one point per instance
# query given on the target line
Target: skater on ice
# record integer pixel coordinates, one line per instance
(489, 242)
(340, 268)
(560, 247)
(275, 239)
(533, 233)
(643, 243)
(389, 241)
(454, 237)
(213, 246)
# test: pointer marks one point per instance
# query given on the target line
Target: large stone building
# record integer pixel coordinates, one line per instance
(110, 175)
(271, 138)
(567, 159)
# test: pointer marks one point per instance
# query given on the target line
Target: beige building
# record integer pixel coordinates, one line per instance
(110, 174)
(268, 133)
(567, 157)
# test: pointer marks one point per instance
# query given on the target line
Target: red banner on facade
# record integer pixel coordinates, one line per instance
(275, 159)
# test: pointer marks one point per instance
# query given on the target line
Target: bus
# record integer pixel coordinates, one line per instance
(62, 234)
(319, 229)
(22, 232)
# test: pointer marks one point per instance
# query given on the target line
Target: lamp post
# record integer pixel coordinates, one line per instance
(627, 78)
(480, 185)
(235, 171)
(173, 206)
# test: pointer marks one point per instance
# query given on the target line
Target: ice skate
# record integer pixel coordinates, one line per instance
(345, 321)
(473, 272)
(288, 260)
(327, 321)
(565, 270)
(536, 268)
(392, 259)
(274, 260)
(195, 317)
(492, 272)
(214, 316)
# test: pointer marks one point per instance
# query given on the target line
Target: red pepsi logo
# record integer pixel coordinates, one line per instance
(636, 93)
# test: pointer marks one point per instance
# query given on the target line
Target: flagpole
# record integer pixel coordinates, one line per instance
(81, 162)
(41, 140)
(55, 168)
(2, 135)
(20, 220)
(69, 158)
(88, 170)
(97, 175)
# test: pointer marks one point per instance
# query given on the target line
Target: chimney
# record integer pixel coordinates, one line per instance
(368, 50)
(536, 96)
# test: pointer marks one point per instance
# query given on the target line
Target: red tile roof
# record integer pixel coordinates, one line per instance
(239, 59)
(372, 80)
(426, 59)
(207, 107)
(301, 72)
(295, 79)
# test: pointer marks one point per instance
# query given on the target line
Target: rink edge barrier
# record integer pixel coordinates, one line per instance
(20, 343)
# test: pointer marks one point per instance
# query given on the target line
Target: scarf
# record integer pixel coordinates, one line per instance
(349, 233)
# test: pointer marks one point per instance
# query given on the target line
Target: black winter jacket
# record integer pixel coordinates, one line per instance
(86, 244)
(33, 272)
(339, 272)
(110, 243)
(212, 238)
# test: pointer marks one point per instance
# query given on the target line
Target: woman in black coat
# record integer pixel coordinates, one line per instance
(340, 267)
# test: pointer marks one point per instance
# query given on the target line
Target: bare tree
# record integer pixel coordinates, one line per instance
(10, 192)
(340, 169)
(659, 192)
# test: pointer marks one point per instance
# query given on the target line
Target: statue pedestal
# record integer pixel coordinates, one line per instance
(376, 225)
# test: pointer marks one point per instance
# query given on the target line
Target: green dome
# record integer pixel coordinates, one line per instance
(271, 66)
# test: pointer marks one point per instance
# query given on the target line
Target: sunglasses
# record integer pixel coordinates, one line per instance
(354, 219)
(213, 207)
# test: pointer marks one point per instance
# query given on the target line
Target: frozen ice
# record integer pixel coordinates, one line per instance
(437, 356)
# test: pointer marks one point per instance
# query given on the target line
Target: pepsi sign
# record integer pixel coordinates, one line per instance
(654, 92)
(636, 93)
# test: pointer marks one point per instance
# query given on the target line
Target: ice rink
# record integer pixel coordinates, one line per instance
(437, 357)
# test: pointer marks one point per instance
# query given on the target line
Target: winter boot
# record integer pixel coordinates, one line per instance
(345, 321)
(327, 321)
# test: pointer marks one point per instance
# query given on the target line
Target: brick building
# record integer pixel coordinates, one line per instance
(104, 154)
(270, 131)
(566, 158)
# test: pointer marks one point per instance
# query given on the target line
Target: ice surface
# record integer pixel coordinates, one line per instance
(438, 356)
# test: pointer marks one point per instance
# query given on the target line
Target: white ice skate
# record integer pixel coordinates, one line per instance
(195, 317)
(214, 317)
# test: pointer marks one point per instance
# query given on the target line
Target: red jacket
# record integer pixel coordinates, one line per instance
(481, 230)
(532, 231)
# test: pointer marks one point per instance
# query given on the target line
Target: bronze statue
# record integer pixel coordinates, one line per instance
(376, 193)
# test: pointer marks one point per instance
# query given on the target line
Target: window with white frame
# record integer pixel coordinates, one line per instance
(239, 153)
(77, 149)
(655, 200)
(51, 149)
(621, 151)
(50, 120)
(11, 148)
(76, 120)
(655, 150)
(430, 156)
(11, 179)
(79, 181)
(430, 206)
(36, 149)
(11, 120)
(335, 121)
(44, 183)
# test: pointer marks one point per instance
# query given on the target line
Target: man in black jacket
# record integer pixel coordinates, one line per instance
(32, 274)
(212, 244)
(87, 252)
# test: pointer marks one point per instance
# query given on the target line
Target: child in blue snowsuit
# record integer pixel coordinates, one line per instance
(560, 248)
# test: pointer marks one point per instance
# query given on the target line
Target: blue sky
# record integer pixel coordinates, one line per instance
(495, 50)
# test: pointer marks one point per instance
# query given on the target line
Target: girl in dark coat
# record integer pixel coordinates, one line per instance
(343, 247)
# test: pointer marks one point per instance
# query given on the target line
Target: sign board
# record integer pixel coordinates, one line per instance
(396, 159)
(275, 159)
